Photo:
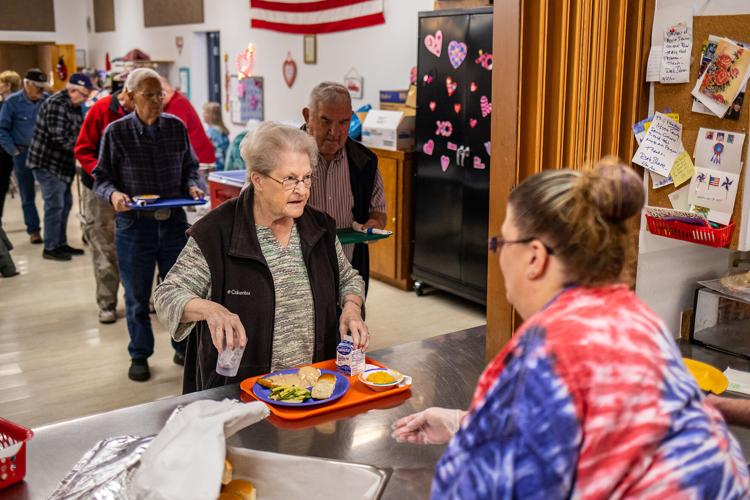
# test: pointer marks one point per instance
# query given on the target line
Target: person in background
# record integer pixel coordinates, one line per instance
(17, 121)
(177, 104)
(146, 152)
(267, 244)
(234, 159)
(97, 93)
(51, 158)
(98, 214)
(10, 82)
(590, 398)
(348, 185)
(7, 266)
(216, 131)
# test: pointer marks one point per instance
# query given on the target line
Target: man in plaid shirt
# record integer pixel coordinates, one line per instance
(52, 161)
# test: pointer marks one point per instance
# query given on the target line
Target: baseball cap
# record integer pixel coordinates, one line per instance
(37, 77)
(82, 80)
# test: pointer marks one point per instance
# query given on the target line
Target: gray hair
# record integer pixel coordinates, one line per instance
(261, 149)
(326, 92)
(137, 76)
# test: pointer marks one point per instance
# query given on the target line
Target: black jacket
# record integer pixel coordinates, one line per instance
(242, 282)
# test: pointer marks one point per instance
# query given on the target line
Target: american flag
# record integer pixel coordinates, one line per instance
(315, 16)
(713, 181)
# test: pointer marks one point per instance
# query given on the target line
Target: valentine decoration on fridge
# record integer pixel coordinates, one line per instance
(289, 70)
(453, 151)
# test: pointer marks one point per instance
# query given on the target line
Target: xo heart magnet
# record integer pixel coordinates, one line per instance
(450, 86)
(456, 53)
(434, 43)
(485, 105)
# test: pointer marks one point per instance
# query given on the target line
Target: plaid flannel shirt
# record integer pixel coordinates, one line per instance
(57, 127)
(132, 162)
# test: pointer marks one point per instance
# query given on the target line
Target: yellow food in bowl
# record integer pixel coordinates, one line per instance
(381, 377)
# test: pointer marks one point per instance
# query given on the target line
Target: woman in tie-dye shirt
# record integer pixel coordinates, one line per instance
(590, 399)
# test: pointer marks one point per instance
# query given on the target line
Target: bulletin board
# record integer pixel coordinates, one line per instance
(677, 98)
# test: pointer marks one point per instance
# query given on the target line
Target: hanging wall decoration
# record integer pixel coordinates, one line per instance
(246, 62)
(227, 79)
(247, 99)
(179, 42)
(289, 70)
(354, 83)
(310, 49)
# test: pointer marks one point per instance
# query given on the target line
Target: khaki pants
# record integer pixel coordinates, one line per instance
(99, 230)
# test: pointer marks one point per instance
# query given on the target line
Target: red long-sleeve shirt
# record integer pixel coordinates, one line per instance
(179, 106)
(102, 113)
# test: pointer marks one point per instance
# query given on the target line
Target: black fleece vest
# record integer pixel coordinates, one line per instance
(242, 282)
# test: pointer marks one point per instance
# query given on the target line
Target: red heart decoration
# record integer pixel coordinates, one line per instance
(433, 104)
(472, 122)
(473, 87)
(289, 69)
(450, 85)
(457, 107)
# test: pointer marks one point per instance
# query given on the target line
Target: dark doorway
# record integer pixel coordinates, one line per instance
(214, 66)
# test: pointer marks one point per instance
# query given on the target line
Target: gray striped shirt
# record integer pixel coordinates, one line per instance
(331, 193)
(294, 325)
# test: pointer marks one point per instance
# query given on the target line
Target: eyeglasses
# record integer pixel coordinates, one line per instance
(81, 93)
(496, 243)
(154, 96)
(290, 183)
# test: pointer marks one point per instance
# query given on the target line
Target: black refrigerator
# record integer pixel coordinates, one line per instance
(451, 179)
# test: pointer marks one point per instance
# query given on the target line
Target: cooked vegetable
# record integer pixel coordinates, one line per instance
(381, 377)
(289, 394)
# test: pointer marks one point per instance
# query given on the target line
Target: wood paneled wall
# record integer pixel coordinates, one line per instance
(570, 75)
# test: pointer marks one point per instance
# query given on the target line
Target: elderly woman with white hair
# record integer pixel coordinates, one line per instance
(264, 271)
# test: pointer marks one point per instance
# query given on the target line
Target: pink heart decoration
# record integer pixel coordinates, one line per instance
(472, 122)
(473, 87)
(433, 104)
(456, 53)
(452, 146)
(450, 85)
(485, 105)
(428, 147)
(457, 108)
(487, 147)
(435, 43)
(444, 162)
(478, 163)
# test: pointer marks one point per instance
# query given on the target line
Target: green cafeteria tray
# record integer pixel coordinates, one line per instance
(347, 236)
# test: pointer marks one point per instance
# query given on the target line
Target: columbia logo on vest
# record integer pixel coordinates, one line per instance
(238, 292)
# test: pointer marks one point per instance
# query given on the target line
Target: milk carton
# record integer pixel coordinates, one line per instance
(349, 361)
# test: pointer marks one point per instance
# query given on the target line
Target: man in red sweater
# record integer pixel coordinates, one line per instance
(98, 215)
(178, 105)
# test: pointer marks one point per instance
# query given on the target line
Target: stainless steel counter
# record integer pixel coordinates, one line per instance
(445, 370)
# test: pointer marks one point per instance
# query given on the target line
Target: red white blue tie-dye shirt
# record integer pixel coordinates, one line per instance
(591, 400)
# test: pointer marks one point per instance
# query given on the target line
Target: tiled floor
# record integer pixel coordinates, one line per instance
(57, 362)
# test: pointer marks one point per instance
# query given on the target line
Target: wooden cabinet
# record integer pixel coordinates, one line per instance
(390, 259)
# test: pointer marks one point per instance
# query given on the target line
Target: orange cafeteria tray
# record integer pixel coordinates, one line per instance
(357, 394)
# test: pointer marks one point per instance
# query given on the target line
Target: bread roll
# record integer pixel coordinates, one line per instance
(243, 489)
(226, 476)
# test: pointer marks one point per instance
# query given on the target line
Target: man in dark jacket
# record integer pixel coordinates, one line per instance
(348, 185)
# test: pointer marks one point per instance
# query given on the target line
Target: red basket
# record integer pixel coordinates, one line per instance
(13, 439)
(687, 232)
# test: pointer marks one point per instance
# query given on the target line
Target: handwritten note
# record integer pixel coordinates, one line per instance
(675, 60)
(660, 146)
(682, 169)
(653, 67)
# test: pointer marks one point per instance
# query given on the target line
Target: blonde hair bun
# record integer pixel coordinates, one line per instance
(614, 189)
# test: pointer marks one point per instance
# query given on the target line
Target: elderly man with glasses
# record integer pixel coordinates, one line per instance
(51, 159)
(146, 152)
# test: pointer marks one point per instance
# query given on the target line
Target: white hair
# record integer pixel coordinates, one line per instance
(326, 92)
(262, 148)
(137, 76)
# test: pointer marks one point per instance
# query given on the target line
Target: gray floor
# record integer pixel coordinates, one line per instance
(57, 362)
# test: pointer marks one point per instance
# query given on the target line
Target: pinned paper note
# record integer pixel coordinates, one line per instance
(719, 149)
(713, 189)
(659, 181)
(723, 78)
(682, 169)
(679, 199)
(653, 67)
(707, 55)
(675, 61)
(660, 146)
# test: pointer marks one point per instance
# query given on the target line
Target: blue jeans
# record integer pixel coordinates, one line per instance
(142, 243)
(25, 179)
(58, 201)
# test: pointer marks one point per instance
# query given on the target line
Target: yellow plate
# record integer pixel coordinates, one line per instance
(708, 377)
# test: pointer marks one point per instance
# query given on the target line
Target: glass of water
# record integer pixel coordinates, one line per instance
(228, 362)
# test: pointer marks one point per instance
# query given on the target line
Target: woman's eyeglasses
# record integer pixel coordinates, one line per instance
(290, 183)
(495, 243)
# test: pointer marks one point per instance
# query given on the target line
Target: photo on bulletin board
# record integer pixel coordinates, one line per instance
(246, 99)
(184, 81)
(310, 46)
